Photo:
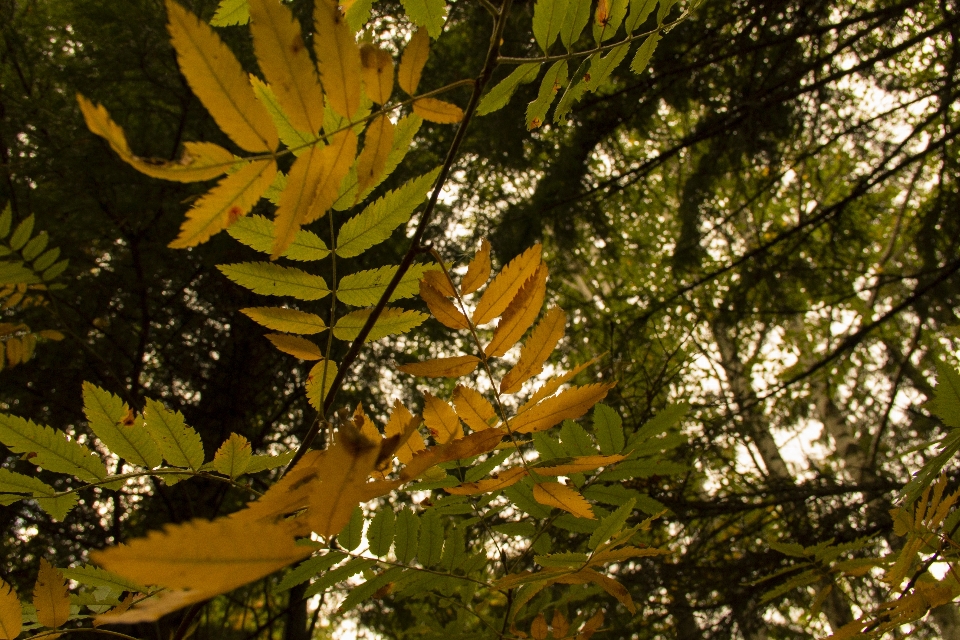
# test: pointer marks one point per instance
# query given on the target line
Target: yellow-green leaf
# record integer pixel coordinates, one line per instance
(257, 233)
(338, 57)
(296, 346)
(579, 465)
(293, 138)
(273, 280)
(365, 288)
(494, 483)
(218, 80)
(391, 321)
(233, 456)
(377, 68)
(50, 449)
(180, 445)
(412, 61)
(286, 320)
(11, 612)
(117, 428)
(50, 596)
(430, 14)
(230, 13)
(319, 382)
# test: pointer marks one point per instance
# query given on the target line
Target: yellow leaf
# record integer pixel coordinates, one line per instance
(493, 483)
(569, 404)
(286, 64)
(559, 624)
(296, 346)
(377, 66)
(441, 419)
(439, 281)
(233, 456)
(319, 383)
(288, 495)
(364, 425)
(230, 200)
(538, 630)
(337, 159)
(377, 145)
(210, 557)
(199, 161)
(538, 347)
(286, 320)
(11, 612)
(579, 465)
(152, 608)
(338, 57)
(609, 585)
(473, 408)
(619, 555)
(441, 308)
(554, 494)
(343, 476)
(501, 292)
(453, 367)
(591, 626)
(404, 424)
(519, 315)
(218, 80)
(466, 447)
(478, 271)
(296, 199)
(412, 61)
(50, 596)
(551, 386)
(433, 110)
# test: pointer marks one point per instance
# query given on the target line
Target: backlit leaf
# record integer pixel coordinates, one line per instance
(257, 233)
(273, 280)
(644, 53)
(548, 17)
(429, 14)
(114, 424)
(412, 61)
(50, 449)
(611, 524)
(478, 271)
(439, 281)
(390, 322)
(946, 396)
(91, 576)
(180, 445)
(263, 462)
(551, 386)
(347, 464)
(50, 596)
(535, 351)
(500, 293)
(218, 80)
(579, 465)
(608, 428)
(380, 532)
(607, 25)
(441, 419)
(519, 315)
(498, 97)
(294, 139)
(233, 456)
(602, 67)
(286, 64)
(442, 308)
(286, 320)
(554, 80)
(377, 68)
(296, 346)
(609, 585)
(297, 198)
(365, 288)
(377, 146)
(231, 12)
(338, 57)
(466, 447)
(407, 535)
(473, 408)
(494, 483)
(433, 110)
(576, 441)
(337, 157)
(230, 200)
(574, 20)
(404, 424)
(404, 132)
(431, 539)
(314, 566)
(554, 494)
(452, 367)
(567, 405)
(11, 612)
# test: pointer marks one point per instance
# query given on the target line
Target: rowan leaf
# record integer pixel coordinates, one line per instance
(554, 494)
(554, 80)
(341, 573)
(602, 67)
(273, 280)
(407, 536)
(376, 66)
(11, 612)
(91, 576)
(640, 10)
(429, 14)
(478, 271)
(199, 160)
(462, 448)
(404, 131)
(370, 588)
(390, 322)
(645, 53)
(473, 408)
(574, 21)
(338, 57)
(664, 11)
(431, 539)
(13, 482)
(230, 200)
(233, 456)
(230, 13)
(180, 445)
(365, 288)
(380, 532)
(296, 346)
(946, 396)
(50, 450)
(548, 16)
(311, 567)
(576, 441)
(297, 198)
(348, 462)
(535, 351)
(293, 138)
(50, 596)
(496, 482)
(550, 387)
(438, 111)
(519, 315)
(351, 535)
(413, 60)
(442, 308)
(404, 424)
(286, 64)
(218, 80)
(441, 419)
(608, 428)
(567, 405)
(257, 233)
(579, 464)
(286, 320)
(452, 367)
(112, 421)
(265, 462)
(521, 495)
(378, 220)
(498, 97)
(609, 585)
(607, 25)
(319, 382)
(377, 147)
(501, 292)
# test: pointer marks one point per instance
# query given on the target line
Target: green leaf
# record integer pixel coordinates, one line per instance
(431, 539)
(481, 470)
(576, 441)
(374, 224)
(273, 280)
(105, 414)
(91, 576)
(364, 288)
(570, 522)
(429, 14)
(547, 446)
(257, 233)
(22, 233)
(574, 91)
(380, 532)
(51, 449)
(367, 589)
(15, 273)
(6, 219)
(929, 471)
(521, 495)
(565, 560)
(407, 536)
(263, 462)
(660, 423)
(179, 444)
(351, 535)
(618, 9)
(13, 482)
(233, 456)
(665, 7)
(601, 68)
(46, 260)
(644, 53)
(554, 80)
(614, 494)
(519, 529)
(500, 95)
(231, 12)
(454, 549)
(296, 141)
(630, 469)
(640, 10)
(54, 271)
(390, 322)
(36, 246)
(309, 568)
(576, 18)
(58, 507)
(548, 16)
(327, 580)
(608, 429)
(358, 14)
(611, 524)
(946, 397)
